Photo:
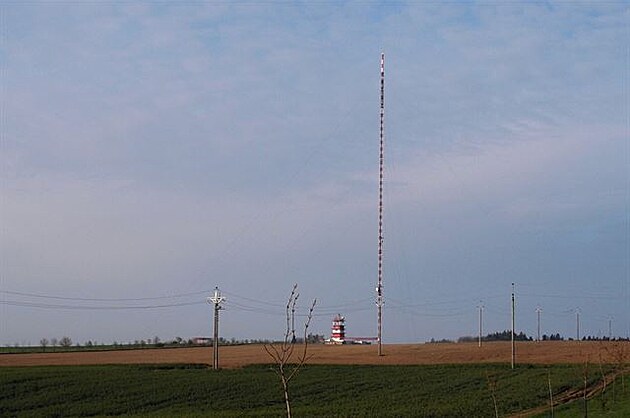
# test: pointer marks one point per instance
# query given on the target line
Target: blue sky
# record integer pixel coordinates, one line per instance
(152, 150)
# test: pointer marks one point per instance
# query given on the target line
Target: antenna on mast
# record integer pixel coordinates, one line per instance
(379, 287)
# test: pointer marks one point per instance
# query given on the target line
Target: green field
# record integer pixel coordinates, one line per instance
(193, 390)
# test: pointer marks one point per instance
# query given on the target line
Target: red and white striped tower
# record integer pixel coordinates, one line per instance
(338, 330)
(379, 286)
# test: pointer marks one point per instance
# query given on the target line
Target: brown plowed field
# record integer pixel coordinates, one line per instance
(238, 356)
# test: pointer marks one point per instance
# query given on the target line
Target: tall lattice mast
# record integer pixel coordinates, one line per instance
(379, 287)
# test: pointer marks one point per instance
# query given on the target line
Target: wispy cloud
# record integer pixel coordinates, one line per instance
(163, 147)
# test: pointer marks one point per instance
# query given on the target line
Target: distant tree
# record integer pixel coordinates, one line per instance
(143, 343)
(178, 340)
(506, 336)
(315, 338)
(467, 339)
(441, 341)
(495, 336)
(156, 340)
(43, 342)
(53, 342)
(65, 342)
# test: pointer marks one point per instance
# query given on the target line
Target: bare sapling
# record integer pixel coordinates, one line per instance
(617, 351)
(585, 378)
(285, 365)
(614, 389)
(550, 393)
(601, 371)
(620, 359)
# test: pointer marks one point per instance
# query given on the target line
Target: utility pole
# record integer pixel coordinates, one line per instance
(513, 330)
(538, 311)
(293, 339)
(577, 323)
(480, 321)
(610, 318)
(216, 300)
(379, 286)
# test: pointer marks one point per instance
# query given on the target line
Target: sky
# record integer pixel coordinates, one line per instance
(152, 151)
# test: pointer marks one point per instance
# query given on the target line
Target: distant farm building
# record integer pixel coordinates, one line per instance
(202, 340)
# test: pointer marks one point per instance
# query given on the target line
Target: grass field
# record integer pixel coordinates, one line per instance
(319, 390)
(438, 380)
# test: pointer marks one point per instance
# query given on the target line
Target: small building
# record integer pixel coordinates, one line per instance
(202, 340)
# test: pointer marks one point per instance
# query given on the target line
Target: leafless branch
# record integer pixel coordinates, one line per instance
(282, 353)
(302, 359)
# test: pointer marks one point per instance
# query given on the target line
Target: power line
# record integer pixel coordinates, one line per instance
(262, 302)
(253, 306)
(43, 296)
(83, 307)
(606, 297)
(427, 315)
(445, 302)
(441, 309)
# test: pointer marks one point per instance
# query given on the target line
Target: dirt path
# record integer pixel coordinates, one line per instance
(239, 356)
(569, 396)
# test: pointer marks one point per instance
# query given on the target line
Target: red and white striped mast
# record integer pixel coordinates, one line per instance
(379, 287)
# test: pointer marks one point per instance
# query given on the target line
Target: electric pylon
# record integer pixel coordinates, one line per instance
(538, 311)
(216, 300)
